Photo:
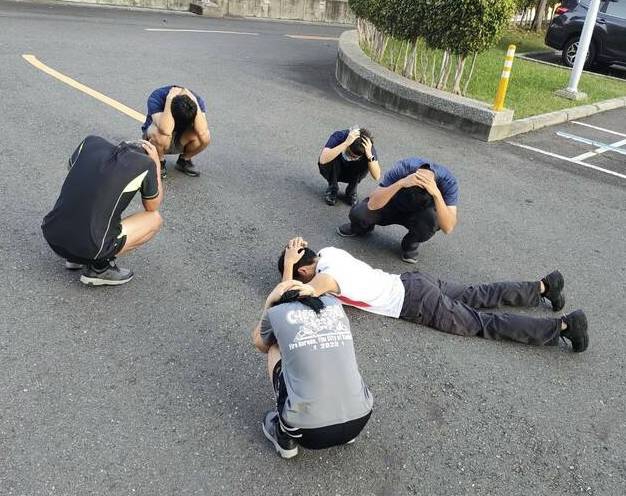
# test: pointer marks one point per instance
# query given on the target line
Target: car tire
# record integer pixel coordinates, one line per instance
(569, 53)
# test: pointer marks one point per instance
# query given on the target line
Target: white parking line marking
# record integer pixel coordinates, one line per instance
(164, 30)
(599, 128)
(567, 159)
(603, 147)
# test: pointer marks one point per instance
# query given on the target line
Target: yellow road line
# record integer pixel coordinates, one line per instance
(168, 30)
(31, 59)
(307, 37)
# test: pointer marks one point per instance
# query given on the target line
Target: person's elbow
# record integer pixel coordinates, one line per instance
(205, 138)
(374, 202)
(153, 205)
(449, 227)
(259, 344)
(324, 157)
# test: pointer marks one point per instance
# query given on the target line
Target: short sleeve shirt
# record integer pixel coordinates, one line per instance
(102, 180)
(156, 103)
(360, 285)
(446, 182)
(324, 386)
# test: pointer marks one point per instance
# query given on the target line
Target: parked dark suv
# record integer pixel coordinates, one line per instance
(608, 44)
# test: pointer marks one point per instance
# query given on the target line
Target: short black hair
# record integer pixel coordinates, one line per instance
(308, 257)
(184, 111)
(357, 147)
(313, 302)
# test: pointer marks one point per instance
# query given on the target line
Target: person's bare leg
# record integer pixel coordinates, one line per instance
(140, 228)
(193, 144)
(160, 141)
(273, 357)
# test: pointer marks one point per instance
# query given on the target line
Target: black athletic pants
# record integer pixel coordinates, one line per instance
(318, 438)
(451, 307)
(422, 223)
(337, 172)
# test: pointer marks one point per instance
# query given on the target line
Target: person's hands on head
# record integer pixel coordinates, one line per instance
(426, 180)
(151, 151)
(409, 181)
(294, 250)
(281, 289)
(353, 135)
(190, 95)
(174, 91)
(367, 145)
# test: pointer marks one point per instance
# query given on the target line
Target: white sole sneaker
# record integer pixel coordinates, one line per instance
(94, 281)
(286, 454)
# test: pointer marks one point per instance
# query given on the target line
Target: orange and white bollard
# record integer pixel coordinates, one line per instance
(504, 79)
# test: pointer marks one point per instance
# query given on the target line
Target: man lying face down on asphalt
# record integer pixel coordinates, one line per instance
(321, 399)
(446, 306)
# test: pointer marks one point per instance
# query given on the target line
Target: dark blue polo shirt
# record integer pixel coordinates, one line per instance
(446, 182)
(156, 103)
(339, 137)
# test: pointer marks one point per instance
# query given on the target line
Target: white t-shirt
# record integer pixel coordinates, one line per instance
(361, 286)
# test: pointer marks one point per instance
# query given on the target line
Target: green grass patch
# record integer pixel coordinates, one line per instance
(526, 41)
(532, 84)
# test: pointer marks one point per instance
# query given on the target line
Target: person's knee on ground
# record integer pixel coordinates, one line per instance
(362, 220)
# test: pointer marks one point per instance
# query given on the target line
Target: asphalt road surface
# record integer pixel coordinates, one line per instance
(153, 388)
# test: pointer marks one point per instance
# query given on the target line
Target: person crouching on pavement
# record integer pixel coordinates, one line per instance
(321, 399)
(347, 157)
(419, 195)
(176, 124)
(85, 226)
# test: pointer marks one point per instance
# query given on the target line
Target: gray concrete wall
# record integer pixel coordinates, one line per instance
(303, 10)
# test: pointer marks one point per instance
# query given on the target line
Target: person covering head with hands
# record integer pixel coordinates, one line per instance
(419, 195)
(446, 306)
(176, 124)
(347, 157)
(321, 399)
(85, 227)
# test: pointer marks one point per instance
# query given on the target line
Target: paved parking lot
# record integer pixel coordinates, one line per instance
(597, 143)
(153, 388)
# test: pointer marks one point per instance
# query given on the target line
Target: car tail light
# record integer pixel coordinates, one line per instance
(561, 10)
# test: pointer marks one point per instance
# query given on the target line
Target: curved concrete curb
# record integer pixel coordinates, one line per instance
(359, 75)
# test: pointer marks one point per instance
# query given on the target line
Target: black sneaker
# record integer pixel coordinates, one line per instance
(345, 230)
(73, 266)
(163, 169)
(554, 283)
(186, 167)
(330, 196)
(410, 258)
(111, 276)
(351, 197)
(285, 446)
(576, 330)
